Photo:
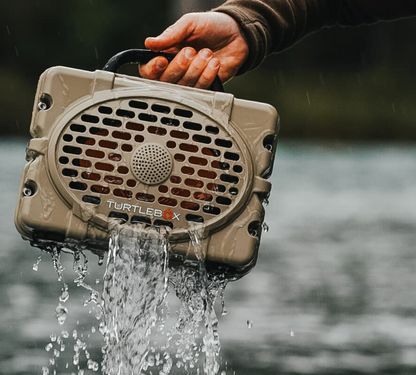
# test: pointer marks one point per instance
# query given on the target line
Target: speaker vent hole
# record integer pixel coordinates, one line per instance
(192, 126)
(105, 110)
(70, 172)
(212, 210)
(122, 135)
(100, 189)
(160, 108)
(190, 206)
(194, 218)
(178, 134)
(140, 219)
(108, 144)
(81, 163)
(183, 113)
(112, 122)
(113, 180)
(212, 129)
(229, 178)
(137, 104)
(95, 154)
(78, 185)
(156, 130)
(98, 131)
(168, 201)
(231, 156)
(160, 223)
(90, 118)
(119, 215)
(125, 113)
(78, 128)
(91, 199)
(90, 176)
(147, 117)
(104, 167)
(223, 143)
(143, 197)
(134, 126)
(211, 152)
(72, 150)
(170, 121)
(123, 193)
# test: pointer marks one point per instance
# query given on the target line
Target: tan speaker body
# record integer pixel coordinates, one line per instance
(106, 145)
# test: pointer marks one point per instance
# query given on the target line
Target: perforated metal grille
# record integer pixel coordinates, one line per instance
(151, 164)
(98, 150)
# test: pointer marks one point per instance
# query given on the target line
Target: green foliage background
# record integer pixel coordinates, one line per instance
(353, 83)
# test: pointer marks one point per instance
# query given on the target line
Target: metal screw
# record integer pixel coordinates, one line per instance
(27, 191)
(42, 106)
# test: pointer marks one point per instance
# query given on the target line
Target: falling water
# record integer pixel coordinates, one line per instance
(140, 336)
(135, 285)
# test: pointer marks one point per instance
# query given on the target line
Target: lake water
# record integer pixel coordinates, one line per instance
(334, 290)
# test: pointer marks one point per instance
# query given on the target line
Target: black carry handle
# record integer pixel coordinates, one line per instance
(143, 56)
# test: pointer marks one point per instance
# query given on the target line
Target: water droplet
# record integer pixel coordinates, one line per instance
(97, 281)
(292, 333)
(100, 261)
(35, 266)
(265, 227)
(92, 365)
(64, 296)
(65, 334)
(53, 337)
(249, 324)
(61, 313)
(45, 370)
(48, 347)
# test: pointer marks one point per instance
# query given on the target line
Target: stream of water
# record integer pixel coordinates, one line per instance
(139, 335)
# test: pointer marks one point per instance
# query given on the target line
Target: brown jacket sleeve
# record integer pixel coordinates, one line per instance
(274, 25)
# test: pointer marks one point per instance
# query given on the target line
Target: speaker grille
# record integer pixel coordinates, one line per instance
(152, 153)
(151, 164)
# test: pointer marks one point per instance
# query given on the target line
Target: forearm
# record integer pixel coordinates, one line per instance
(273, 25)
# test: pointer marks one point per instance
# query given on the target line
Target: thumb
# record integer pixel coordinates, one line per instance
(173, 35)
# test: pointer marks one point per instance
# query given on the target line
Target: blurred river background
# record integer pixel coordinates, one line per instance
(334, 290)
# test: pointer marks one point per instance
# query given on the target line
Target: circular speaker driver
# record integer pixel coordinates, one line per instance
(151, 164)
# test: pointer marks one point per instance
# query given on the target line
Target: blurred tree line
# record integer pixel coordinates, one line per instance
(354, 83)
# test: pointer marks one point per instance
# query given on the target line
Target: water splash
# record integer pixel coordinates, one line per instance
(134, 311)
(135, 284)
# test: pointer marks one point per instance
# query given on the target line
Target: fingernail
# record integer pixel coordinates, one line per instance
(189, 53)
(161, 64)
(214, 63)
(206, 54)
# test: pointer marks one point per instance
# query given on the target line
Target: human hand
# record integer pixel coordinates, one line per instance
(207, 44)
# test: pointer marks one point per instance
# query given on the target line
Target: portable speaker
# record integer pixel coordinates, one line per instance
(106, 145)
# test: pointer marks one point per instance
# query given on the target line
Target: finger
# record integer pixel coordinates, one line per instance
(173, 35)
(196, 69)
(178, 66)
(154, 68)
(210, 72)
